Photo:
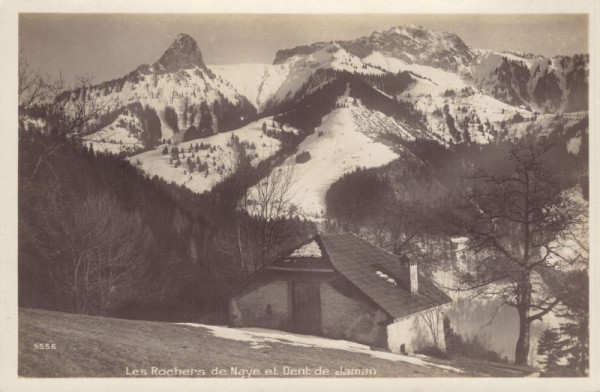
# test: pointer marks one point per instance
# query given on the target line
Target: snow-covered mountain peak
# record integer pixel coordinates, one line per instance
(410, 30)
(410, 43)
(182, 54)
(418, 45)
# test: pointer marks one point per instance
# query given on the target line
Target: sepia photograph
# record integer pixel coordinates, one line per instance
(311, 195)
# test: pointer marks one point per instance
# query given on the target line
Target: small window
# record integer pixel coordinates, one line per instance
(403, 349)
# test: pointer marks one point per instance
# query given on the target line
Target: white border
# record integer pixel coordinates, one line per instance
(9, 10)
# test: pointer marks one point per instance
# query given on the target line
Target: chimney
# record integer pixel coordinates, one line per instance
(409, 274)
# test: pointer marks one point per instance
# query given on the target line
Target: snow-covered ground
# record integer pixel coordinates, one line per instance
(221, 157)
(257, 82)
(331, 56)
(311, 249)
(121, 136)
(436, 76)
(345, 141)
(30, 123)
(261, 338)
(544, 124)
(262, 83)
(430, 94)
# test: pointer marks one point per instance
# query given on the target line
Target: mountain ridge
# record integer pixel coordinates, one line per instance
(438, 90)
(409, 43)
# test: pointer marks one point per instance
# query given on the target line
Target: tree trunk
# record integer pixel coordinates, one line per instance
(522, 350)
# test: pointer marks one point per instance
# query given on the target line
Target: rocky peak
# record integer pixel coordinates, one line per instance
(417, 44)
(284, 54)
(410, 43)
(183, 53)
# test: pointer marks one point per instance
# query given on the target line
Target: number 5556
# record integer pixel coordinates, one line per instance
(44, 346)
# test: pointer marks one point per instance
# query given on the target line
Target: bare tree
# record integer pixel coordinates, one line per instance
(70, 113)
(433, 320)
(271, 201)
(516, 224)
(32, 87)
(239, 245)
(105, 259)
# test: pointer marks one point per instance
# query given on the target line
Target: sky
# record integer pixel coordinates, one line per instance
(108, 46)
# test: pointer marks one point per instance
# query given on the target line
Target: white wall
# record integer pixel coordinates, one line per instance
(417, 331)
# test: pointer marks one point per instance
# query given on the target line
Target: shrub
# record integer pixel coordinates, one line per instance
(303, 157)
(449, 93)
(473, 347)
(517, 118)
(171, 118)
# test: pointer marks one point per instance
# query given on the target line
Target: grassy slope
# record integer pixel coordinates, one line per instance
(103, 347)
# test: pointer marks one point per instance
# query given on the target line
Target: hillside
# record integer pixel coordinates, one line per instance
(347, 139)
(201, 164)
(104, 347)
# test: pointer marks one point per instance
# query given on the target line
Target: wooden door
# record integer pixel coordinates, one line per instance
(306, 307)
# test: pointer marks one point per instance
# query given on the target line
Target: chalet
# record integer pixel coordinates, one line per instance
(342, 287)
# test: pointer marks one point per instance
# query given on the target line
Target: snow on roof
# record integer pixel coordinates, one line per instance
(311, 249)
(354, 258)
(385, 276)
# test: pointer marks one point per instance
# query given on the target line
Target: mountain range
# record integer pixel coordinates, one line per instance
(345, 104)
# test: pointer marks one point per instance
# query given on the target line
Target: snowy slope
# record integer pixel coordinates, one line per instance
(439, 79)
(159, 90)
(219, 154)
(544, 84)
(346, 140)
(265, 85)
(331, 56)
(257, 82)
(477, 112)
(122, 136)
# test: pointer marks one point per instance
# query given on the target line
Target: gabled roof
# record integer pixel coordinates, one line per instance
(372, 270)
(359, 261)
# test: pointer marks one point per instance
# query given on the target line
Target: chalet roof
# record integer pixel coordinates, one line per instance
(359, 261)
(372, 270)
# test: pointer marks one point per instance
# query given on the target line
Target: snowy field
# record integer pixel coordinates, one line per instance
(121, 136)
(219, 154)
(262, 338)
